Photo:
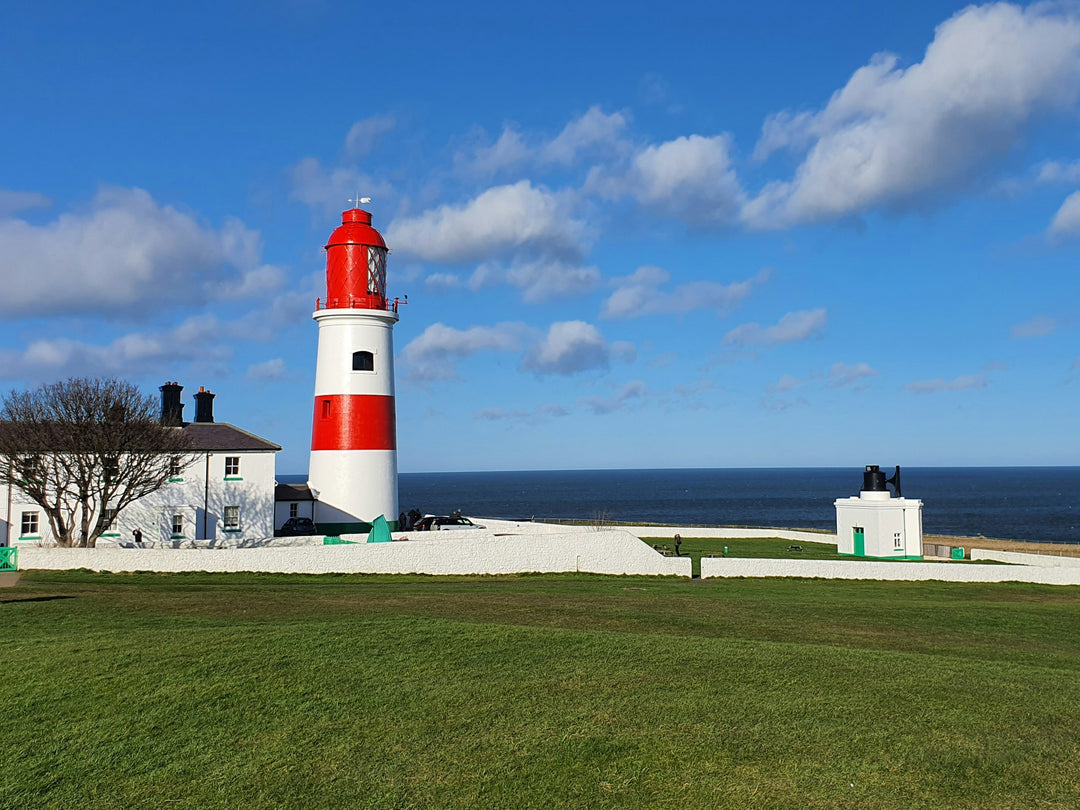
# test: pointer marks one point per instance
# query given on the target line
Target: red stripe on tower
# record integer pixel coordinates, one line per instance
(354, 422)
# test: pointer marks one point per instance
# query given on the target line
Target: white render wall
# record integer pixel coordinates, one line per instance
(900, 571)
(1023, 558)
(528, 527)
(471, 552)
(354, 485)
(344, 331)
(880, 516)
(304, 509)
(201, 497)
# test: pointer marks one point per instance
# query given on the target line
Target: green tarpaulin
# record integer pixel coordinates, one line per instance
(380, 531)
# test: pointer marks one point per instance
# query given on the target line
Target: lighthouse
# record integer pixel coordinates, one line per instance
(353, 468)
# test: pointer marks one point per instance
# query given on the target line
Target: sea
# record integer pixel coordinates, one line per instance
(1034, 504)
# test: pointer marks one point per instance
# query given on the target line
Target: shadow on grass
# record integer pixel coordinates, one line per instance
(34, 599)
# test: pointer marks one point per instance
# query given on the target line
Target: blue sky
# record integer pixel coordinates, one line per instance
(693, 234)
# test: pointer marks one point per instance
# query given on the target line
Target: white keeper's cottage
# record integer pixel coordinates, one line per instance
(227, 494)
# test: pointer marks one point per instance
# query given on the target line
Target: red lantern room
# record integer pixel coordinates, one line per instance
(356, 264)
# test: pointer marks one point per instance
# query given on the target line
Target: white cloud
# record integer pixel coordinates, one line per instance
(534, 416)
(443, 281)
(639, 294)
(568, 347)
(689, 178)
(634, 389)
(328, 191)
(268, 370)
(897, 137)
(1066, 221)
(126, 252)
(431, 355)
(781, 405)
(489, 159)
(842, 374)
(499, 414)
(654, 91)
(936, 385)
(364, 134)
(195, 339)
(787, 382)
(1053, 171)
(594, 128)
(499, 222)
(539, 280)
(1038, 326)
(12, 202)
(793, 327)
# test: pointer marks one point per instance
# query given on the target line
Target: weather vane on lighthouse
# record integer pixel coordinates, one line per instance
(357, 201)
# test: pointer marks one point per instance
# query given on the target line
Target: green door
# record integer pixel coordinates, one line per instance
(860, 541)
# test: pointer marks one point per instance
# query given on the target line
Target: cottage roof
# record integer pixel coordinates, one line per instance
(223, 436)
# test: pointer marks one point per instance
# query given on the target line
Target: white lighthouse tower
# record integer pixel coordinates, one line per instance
(353, 469)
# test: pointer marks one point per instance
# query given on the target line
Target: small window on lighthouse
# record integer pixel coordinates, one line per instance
(363, 361)
(326, 409)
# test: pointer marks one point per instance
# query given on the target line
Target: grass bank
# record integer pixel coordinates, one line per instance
(208, 691)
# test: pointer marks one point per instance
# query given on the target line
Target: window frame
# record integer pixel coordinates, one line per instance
(31, 519)
(232, 468)
(362, 357)
(233, 525)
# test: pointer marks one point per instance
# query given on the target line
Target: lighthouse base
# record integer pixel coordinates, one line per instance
(352, 488)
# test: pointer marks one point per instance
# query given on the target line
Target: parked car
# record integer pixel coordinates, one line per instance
(443, 522)
(297, 527)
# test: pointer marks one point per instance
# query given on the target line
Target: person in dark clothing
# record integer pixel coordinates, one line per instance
(678, 542)
(414, 517)
(137, 534)
(402, 522)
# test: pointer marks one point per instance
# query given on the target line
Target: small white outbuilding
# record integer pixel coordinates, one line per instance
(875, 524)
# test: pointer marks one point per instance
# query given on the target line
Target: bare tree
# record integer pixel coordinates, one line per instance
(85, 449)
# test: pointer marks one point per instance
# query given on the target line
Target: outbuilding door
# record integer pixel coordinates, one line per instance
(860, 541)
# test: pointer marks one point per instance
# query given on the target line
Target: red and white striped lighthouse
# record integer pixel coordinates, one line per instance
(353, 469)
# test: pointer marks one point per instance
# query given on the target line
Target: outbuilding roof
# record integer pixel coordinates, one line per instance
(293, 492)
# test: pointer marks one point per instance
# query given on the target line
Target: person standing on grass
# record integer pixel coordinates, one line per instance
(678, 542)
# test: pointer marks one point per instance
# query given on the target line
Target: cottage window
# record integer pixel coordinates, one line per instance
(294, 510)
(174, 469)
(232, 518)
(232, 466)
(108, 517)
(178, 525)
(29, 524)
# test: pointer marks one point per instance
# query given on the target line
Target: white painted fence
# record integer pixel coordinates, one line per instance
(906, 571)
(1023, 558)
(473, 552)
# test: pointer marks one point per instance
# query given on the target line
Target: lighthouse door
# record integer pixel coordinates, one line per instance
(860, 541)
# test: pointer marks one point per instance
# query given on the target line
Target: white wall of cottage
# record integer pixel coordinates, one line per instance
(198, 496)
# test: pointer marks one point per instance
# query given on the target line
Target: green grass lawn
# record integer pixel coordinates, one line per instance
(206, 691)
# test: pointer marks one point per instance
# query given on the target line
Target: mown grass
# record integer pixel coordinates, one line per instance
(208, 691)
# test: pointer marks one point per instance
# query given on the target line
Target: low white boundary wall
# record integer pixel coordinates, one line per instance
(526, 527)
(473, 552)
(907, 571)
(1023, 558)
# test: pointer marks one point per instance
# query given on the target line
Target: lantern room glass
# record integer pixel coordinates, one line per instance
(376, 281)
